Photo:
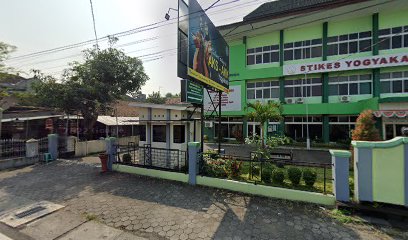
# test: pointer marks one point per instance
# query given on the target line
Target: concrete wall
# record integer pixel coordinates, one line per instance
(381, 171)
(97, 146)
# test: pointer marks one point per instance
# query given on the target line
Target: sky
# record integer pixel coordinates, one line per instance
(34, 26)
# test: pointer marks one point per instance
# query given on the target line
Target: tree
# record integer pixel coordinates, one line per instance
(5, 50)
(365, 128)
(263, 113)
(155, 98)
(92, 86)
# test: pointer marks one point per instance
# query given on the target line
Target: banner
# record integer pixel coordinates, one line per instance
(191, 92)
(230, 101)
(391, 60)
(208, 60)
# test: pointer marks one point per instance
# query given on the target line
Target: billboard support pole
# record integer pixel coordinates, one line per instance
(219, 121)
(202, 128)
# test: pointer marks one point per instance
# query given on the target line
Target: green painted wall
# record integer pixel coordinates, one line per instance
(267, 191)
(392, 18)
(263, 40)
(388, 175)
(303, 33)
(354, 25)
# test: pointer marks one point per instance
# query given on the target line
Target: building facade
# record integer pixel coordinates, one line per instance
(324, 61)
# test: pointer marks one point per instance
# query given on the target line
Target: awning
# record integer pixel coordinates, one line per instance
(121, 121)
(30, 118)
(391, 113)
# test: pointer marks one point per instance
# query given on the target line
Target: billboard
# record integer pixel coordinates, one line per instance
(229, 102)
(208, 52)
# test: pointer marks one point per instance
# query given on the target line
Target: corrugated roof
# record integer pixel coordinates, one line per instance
(283, 7)
(122, 121)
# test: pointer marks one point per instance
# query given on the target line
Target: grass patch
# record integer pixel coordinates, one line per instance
(345, 216)
(90, 217)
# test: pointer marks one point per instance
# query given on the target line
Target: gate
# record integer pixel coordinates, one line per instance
(66, 146)
(155, 158)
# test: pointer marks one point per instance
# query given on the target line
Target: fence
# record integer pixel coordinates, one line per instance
(260, 171)
(148, 157)
(12, 148)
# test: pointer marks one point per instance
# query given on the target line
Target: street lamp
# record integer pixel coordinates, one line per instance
(167, 16)
(307, 117)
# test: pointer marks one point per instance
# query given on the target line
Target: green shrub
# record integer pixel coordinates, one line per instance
(278, 176)
(351, 186)
(310, 177)
(256, 170)
(232, 168)
(127, 158)
(294, 175)
(267, 172)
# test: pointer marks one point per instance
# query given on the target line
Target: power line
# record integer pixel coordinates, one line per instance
(94, 24)
(147, 27)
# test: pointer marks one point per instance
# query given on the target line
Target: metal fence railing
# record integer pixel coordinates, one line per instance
(12, 148)
(250, 169)
(158, 158)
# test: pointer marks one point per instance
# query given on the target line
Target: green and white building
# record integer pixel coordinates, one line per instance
(325, 61)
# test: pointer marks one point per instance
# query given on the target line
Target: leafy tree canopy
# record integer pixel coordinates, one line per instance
(156, 98)
(5, 50)
(90, 87)
(365, 128)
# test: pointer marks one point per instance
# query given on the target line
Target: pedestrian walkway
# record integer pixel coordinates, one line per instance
(157, 209)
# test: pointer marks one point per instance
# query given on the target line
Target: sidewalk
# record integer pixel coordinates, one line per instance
(66, 225)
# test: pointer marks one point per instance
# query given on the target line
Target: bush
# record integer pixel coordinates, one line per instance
(310, 177)
(127, 158)
(294, 175)
(278, 176)
(232, 168)
(256, 170)
(267, 172)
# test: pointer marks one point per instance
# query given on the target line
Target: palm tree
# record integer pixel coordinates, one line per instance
(263, 113)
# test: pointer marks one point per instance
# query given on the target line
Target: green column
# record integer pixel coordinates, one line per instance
(281, 41)
(326, 129)
(325, 76)
(325, 87)
(245, 127)
(324, 40)
(282, 89)
(282, 127)
(376, 83)
(375, 34)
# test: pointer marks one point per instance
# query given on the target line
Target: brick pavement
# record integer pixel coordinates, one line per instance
(158, 209)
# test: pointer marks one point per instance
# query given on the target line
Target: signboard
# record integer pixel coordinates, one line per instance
(191, 92)
(391, 60)
(230, 101)
(208, 57)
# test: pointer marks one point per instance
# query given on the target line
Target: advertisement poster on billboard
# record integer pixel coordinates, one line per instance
(230, 101)
(208, 59)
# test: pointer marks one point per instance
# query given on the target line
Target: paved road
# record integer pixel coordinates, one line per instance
(158, 209)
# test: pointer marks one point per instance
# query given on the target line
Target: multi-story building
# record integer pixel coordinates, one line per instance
(325, 61)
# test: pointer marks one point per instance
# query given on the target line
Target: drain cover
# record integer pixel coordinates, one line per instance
(29, 213)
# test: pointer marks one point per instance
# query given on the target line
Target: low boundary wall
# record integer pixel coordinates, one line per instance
(248, 188)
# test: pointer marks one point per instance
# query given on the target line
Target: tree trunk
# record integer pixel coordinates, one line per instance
(262, 136)
(89, 122)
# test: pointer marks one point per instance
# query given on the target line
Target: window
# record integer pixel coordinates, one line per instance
(341, 126)
(349, 43)
(395, 82)
(350, 85)
(263, 90)
(142, 133)
(179, 134)
(311, 87)
(159, 133)
(231, 128)
(393, 38)
(263, 55)
(303, 49)
(297, 127)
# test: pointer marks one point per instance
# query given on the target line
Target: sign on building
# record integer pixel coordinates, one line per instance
(191, 92)
(208, 59)
(391, 60)
(230, 101)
